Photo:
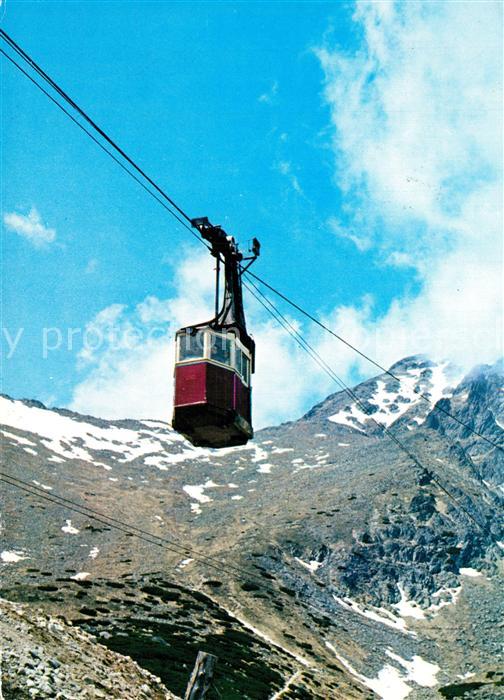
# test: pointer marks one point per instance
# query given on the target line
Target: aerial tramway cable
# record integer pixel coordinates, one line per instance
(150, 538)
(305, 345)
(187, 219)
(156, 540)
(90, 121)
(100, 145)
(315, 320)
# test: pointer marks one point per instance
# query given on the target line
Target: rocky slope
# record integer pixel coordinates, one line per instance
(320, 560)
(45, 657)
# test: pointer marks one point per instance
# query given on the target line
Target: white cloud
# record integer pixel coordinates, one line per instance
(129, 355)
(100, 331)
(91, 266)
(399, 259)
(417, 135)
(285, 377)
(30, 226)
(361, 242)
(269, 96)
(284, 167)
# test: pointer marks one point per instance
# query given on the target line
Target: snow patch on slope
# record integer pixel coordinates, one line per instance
(391, 683)
(74, 438)
(419, 671)
(351, 417)
(410, 608)
(312, 565)
(69, 528)
(197, 492)
(18, 438)
(42, 486)
(391, 399)
(80, 576)
(265, 468)
(264, 636)
(467, 571)
(380, 615)
(12, 557)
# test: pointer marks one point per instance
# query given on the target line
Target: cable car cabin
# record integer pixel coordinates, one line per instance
(212, 388)
(214, 360)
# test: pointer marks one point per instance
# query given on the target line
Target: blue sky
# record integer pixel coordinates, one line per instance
(268, 118)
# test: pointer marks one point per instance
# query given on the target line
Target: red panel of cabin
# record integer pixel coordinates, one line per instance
(190, 384)
(203, 383)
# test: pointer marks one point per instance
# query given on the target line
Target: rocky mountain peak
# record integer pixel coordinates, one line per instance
(418, 383)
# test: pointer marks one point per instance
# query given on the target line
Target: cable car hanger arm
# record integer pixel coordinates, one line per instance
(223, 244)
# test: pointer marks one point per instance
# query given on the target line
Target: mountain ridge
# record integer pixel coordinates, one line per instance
(372, 561)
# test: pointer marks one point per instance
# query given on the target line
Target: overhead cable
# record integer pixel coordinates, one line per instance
(150, 538)
(303, 343)
(322, 325)
(100, 145)
(186, 220)
(10, 41)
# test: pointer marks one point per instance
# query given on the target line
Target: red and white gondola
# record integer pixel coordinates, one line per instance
(214, 361)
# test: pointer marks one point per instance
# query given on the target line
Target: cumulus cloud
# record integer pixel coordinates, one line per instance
(417, 136)
(128, 354)
(30, 226)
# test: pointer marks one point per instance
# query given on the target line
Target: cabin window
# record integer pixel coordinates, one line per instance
(245, 368)
(242, 364)
(220, 348)
(191, 346)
